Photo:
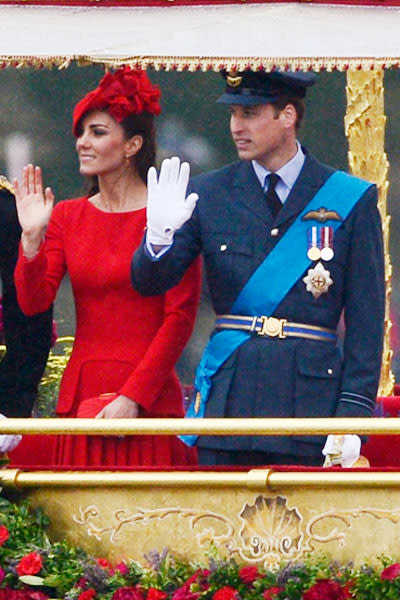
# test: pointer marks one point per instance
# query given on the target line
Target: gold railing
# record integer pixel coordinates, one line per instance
(261, 426)
(270, 479)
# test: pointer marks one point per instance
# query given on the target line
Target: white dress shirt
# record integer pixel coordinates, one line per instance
(288, 173)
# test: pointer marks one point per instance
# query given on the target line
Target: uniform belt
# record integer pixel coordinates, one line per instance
(273, 327)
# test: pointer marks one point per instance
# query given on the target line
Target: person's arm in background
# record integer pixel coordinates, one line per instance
(27, 339)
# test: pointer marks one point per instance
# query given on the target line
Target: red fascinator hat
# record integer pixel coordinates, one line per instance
(122, 93)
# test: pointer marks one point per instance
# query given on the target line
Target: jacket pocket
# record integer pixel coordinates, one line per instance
(229, 260)
(318, 376)
(317, 381)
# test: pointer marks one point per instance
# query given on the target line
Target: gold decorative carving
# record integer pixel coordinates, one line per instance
(270, 531)
(264, 532)
(365, 129)
(344, 518)
(260, 527)
(143, 517)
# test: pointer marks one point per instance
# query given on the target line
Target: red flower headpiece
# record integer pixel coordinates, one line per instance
(125, 92)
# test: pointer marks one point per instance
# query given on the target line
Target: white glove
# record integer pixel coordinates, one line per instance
(167, 205)
(8, 441)
(341, 450)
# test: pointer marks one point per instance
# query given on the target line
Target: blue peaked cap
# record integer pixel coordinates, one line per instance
(260, 87)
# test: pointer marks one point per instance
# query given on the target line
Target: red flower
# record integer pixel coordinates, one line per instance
(30, 564)
(4, 534)
(326, 589)
(272, 592)
(127, 593)
(249, 574)
(122, 568)
(154, 594)
(5, 595)
(185, 593)
(226, 593)
(391, 572)
(9, 594)
(32, 595)
(87, 595)
(104, 563)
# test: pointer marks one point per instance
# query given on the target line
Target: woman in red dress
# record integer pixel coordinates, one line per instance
(124, 344)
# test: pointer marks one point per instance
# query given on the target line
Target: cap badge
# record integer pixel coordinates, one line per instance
(233, 79)
(322, 215)
(318, 280)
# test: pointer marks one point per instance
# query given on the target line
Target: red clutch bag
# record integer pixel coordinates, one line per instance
(90, 407)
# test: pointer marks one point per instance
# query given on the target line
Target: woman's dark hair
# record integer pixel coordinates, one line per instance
(143, 125)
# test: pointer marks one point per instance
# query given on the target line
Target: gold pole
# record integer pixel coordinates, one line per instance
(287, 426)
(270, 479)
(365, 129)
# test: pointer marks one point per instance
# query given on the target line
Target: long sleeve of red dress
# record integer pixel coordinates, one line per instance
(124, 343)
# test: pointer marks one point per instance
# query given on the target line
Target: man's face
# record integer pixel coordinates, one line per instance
(262, 133)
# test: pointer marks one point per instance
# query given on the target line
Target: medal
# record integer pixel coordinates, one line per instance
(327, 252)
(313, 252)
(318, 280)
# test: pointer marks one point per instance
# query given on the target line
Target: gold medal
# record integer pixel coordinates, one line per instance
(314, 253)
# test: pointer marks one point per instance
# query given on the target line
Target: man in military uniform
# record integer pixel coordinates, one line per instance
(27, 339)
(289, 245)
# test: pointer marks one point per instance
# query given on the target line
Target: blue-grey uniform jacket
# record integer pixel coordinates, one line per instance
(293, 377)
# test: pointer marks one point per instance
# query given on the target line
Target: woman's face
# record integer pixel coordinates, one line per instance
(101, 146)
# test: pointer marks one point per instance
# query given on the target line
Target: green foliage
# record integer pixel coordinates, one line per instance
(62, 564)
(28, 528)
(50, 384)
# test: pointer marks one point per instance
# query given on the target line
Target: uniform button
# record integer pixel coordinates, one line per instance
(274, 232)
(330, 371)
(223, 247)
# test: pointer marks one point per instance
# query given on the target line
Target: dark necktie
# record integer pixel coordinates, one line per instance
(271, 196)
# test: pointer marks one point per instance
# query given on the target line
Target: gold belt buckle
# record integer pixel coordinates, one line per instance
(272, 327)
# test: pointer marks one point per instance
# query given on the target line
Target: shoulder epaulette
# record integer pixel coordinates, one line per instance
(5, 184)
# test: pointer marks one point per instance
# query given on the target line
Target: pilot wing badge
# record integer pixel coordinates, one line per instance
(322, 215)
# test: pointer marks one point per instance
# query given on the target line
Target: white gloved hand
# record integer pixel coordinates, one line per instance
(8, 441)
(341, 450)
(167, 206)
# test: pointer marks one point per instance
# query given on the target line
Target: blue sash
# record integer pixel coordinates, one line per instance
(284, 265)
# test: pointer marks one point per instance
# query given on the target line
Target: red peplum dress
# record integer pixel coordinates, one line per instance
(124, 343)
